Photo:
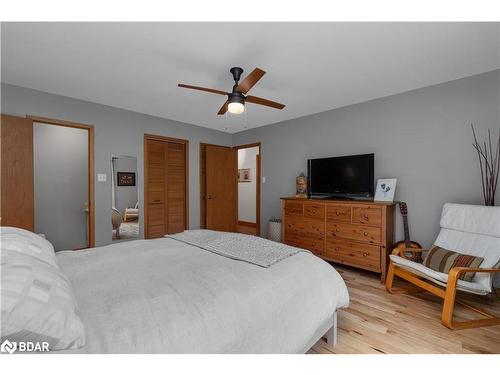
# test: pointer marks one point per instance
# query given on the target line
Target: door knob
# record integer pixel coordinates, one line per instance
(210, 197)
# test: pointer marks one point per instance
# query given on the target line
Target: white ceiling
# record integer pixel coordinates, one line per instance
(311, 67)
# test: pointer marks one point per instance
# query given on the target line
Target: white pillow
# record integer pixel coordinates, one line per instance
(28, 243)
(37, 304)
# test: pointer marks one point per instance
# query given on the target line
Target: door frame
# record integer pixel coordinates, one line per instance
(90, 165)
(161, 138)
(258, 182)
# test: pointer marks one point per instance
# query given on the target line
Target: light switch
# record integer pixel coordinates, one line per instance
(263, 180)
(101, 177)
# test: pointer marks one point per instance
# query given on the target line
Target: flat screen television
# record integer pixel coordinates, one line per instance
(341, 177)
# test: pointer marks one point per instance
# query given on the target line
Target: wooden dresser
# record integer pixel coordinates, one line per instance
(355, 233)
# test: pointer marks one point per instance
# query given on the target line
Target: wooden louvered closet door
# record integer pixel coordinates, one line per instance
(165, 177)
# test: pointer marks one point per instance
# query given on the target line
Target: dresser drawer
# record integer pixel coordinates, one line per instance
(305, 227)
(361, 233)
(367, 216)
(315, 246)
(353, 254)
(338, 214)
(316, 211)
(305, 233)
(294, 208)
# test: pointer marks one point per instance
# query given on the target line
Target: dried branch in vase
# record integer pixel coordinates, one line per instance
(489, 166)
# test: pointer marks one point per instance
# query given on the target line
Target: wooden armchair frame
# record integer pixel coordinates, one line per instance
(448, 294)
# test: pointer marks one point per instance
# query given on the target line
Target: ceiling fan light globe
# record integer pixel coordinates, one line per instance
(236, 108)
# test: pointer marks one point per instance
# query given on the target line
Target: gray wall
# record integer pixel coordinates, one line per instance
(421, 137)
(61, 188)
(117, 132)
(125, 196)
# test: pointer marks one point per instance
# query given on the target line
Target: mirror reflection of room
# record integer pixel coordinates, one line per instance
(125, 204)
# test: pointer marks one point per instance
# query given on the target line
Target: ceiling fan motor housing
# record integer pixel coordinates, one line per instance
(236, 72)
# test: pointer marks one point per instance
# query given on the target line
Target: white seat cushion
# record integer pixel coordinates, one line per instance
(472, 230)
(471, 218)
(439, 277)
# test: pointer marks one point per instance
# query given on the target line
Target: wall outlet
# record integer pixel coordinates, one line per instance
(101, 177)
(263, 180)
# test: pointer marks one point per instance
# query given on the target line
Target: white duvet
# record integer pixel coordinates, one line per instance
(165, 296)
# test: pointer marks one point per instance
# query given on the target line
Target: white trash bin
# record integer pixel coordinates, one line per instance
(274, 229)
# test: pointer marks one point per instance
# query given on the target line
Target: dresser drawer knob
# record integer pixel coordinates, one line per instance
(365, 233)
(337, 213)
(365, 216)
(365, 254)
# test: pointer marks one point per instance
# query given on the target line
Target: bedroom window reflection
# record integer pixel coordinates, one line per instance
(125, 204)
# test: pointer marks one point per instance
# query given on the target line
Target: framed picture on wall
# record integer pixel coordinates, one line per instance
(126, 179)
(244, 175)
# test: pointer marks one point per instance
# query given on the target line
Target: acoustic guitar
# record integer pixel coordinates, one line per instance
(407, 243)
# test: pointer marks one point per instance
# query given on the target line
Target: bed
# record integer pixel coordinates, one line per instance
(169, 296)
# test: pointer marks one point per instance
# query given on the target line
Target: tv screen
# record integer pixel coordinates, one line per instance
(344, 176)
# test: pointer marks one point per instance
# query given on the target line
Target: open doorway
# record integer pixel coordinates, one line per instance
(63, 183)
(230, 188)
(249, 189)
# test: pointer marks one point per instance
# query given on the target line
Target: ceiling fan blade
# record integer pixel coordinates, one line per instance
(250, 80)
(262, 101)
(223, 109)
(213, 91)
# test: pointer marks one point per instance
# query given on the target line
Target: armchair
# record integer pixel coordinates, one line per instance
(467, 229)
(131, 213)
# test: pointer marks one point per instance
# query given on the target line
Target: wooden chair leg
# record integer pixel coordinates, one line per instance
(449, 304)
(389, 278)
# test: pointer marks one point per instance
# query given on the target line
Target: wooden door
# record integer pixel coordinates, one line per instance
(176, 187)
(221, 188)
(155, 181)
(165, 186)
(17, 185)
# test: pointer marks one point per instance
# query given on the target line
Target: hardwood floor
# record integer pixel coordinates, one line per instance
(379, 322)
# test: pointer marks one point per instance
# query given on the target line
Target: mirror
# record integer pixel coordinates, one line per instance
(124, 198)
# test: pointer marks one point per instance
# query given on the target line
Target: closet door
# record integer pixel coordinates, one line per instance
(17, 192)
(165, 178)
(176, 187)
(155, 181)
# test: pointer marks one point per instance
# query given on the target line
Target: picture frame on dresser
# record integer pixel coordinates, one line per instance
(354, 233)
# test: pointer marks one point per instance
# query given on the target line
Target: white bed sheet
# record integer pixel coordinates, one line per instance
(165, 296)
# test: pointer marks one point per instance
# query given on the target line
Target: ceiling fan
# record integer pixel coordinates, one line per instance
(237, 98)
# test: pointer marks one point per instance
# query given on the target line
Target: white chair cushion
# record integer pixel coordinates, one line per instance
(472, 230)
(439, 277)
(472, 219)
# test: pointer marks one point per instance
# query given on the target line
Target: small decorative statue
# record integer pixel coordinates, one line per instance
(301, 186)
